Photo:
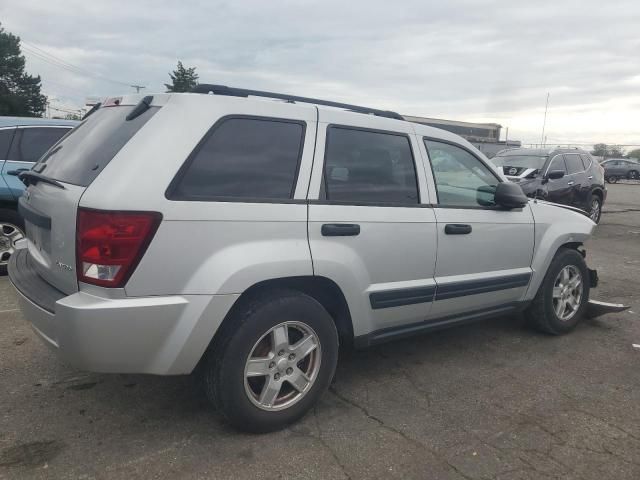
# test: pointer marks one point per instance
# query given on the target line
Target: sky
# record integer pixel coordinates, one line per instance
(482, 60)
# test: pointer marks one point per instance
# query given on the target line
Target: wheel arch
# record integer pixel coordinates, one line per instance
(324, 290)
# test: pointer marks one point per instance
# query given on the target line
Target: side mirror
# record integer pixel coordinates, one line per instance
(554, 175)
(510, 195)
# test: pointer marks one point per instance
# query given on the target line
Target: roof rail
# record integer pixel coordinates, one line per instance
(242, 92)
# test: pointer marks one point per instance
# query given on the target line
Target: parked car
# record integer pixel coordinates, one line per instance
(559, 175)
(22, 141)
(619, 168)
(253, 237)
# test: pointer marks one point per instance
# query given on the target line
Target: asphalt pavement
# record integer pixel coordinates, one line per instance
(488, 401)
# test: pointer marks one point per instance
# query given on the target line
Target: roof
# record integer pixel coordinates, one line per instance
(19, 121)
(542, 152)
(441, 121)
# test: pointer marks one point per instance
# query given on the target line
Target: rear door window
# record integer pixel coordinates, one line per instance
(574, 164)
(30, 144)
(586, 161)
(84, 152)
(6, 135)
(243, 158)
(363, 166)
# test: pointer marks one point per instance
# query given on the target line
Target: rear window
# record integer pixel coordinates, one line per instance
(5, 141)
(84, 152)
(243, 158)
(31, 143)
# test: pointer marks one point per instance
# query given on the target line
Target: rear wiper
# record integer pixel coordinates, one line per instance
(31, 178)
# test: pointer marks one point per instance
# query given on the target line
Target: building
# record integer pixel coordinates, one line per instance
(484, 136)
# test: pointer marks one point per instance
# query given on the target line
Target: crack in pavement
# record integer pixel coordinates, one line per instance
(381, 423)
(343, 468)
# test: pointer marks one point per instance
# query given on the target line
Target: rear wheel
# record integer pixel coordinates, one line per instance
(11, 230)
(272, 362)
(595, 206)
(633, 175)
(562, 298)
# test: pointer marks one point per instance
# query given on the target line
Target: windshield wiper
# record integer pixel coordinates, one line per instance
(30, 177)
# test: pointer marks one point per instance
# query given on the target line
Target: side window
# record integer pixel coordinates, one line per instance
(31, 143)
(243, 158)
(574, 164)
(5, 141)
(369, 167)
(462, 180)
(586, 161)
(557, 164)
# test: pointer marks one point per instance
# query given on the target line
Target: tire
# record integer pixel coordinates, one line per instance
(542, 313)
(632, 175)
(246, 334)
(595, 208)
(11, 230)
(612, 179)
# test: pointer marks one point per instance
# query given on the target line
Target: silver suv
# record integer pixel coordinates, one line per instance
(250, 234)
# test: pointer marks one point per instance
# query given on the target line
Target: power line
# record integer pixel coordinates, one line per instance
(51, 59)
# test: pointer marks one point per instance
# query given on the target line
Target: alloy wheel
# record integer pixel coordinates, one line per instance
(595, 210)
(282, 366)
(567, 292)
(9, 236)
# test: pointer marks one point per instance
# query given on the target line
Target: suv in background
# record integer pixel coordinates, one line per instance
(23, 140)
(619, 168)
(559, 175)
(251, 237)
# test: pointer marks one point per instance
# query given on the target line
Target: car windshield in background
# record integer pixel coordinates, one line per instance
(527, 161)
(82, 153)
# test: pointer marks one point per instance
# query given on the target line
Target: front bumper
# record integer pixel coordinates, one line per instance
(160, 335)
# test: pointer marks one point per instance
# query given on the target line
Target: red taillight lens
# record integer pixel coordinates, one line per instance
(109, 245)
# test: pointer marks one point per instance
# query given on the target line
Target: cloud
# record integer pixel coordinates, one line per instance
(467, 60)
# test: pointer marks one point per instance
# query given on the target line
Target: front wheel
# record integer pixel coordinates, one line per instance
(612, 179)
(272, 362)
(633, 175)
(562, 298)
(11, 231)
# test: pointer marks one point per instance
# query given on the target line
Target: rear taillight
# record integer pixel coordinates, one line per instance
(109, 244)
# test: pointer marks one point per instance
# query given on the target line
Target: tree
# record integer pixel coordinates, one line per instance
(604, 150)
(182, 79)
(19, 92)
(635, 154)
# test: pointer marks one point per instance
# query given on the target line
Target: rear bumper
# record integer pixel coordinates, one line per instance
(160, 335)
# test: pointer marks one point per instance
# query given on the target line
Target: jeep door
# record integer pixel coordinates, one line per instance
(484, 252)
(371, 228)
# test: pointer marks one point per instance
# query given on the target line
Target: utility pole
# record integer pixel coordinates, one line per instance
(137, 87)
(544, 123)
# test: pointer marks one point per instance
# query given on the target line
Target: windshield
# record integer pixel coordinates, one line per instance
(527, 161)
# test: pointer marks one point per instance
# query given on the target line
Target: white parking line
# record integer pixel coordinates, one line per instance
(7, 311)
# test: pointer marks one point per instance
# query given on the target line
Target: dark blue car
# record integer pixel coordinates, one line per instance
(23, 140)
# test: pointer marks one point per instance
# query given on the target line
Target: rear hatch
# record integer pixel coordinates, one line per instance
(58, 180)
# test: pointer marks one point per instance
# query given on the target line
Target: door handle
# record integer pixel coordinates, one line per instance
(457, 229)
(590, 177)
(571, 182)
(340, 229)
